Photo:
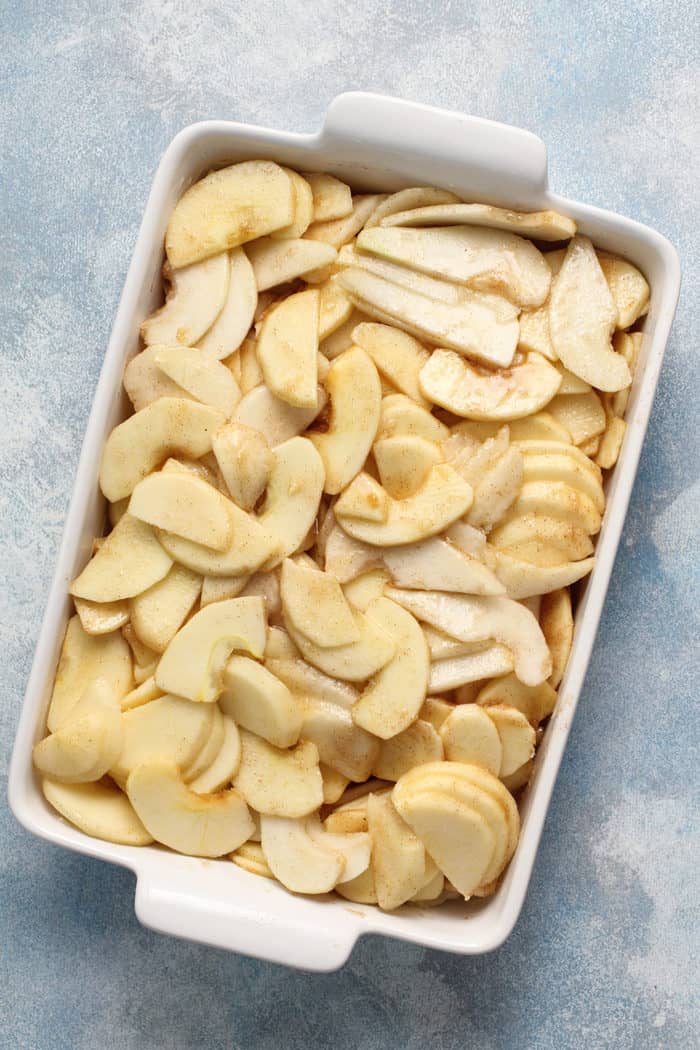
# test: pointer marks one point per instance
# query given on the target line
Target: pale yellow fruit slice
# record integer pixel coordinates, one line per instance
(534, 333)
(359, 890)
(333, 345)
(303, 207)
(455, 671)
(429, 287)
(534, 702)
(275, 419)
(410, 199)
(102, 617)
(293, 496)
(550, 466)
(258, 701)
(227, 208)
(404, 462)
(398, 856)
(332, 198)
(582, 415)
(309, 683)
(225, 766)
(233, 323)
(334, 309)
(396, 354)
(516, 734)
(365, 588)
(628, 287)
(497, 490)
(450, 381)
(557, 622)
(524, 579)
(469, 735)
(401, 415)
(87, 743)
(538, 225)
(354, 848)
(98, 810)
(611, 443)
(334, 784)
(417, 744)
(277, 262)
(245, 460)
(158, 613)
(442, 647)
(276, 782)
(287, 348)
(340, 231)
(251, 546)
(185, 506)
(209, 749)
(279, 645)
(201, 375)
(194, 300)
(128, 562)
(251, 858)
(301, 863)
(145, 382)
(533, 536)
(366, 499)
(435, 710)
(341, 744)
(315, 605)
(556, 499)
(354, 662)
(168, 727)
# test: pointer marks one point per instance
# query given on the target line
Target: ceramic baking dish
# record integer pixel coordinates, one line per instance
(374, 143)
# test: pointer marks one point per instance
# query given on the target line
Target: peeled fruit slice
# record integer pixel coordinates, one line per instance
(450, 381)
(392, 700)
(334, 309)
(497, 490)
(443, 498)
(227, 208)
(332, 199)
(611, 442)
(365, 588)
(360, 890)
(355, 849)
(303, 207)
(396, 354)
(398, 856)
(139, 445)
(168, 727)
(517, 737)
(366, 500)
(89, 741)
(245, 461)
(275, 419)
(353, 386)
(472, 619)
(145, 660)
(485, 259)
(417, 744)
(534, 333)
(412, 280)
(628, 288)
(201, 375)
(293, 496)
(341, 744)
(454, 671)
(225, 766)
(537, 225)
(193, 663)
(563, 467)
(582, 415)
(301, 863)
(469, 735)
(129, 561)
(542, 540)
(98, 810)
(401, 415)
(279, 783)
(185, 506)
(582, 316)
(341, 231)
(413, 198)
(287, 348)
(251, 858)
(198, 825)
(308, 682)
(523, 579)
(209, 749)
(233, 323)
(334, 784)
(258, 701)
(354, 662)
(404, 462)
(280, 261)
(195, 299)
(534, 702)
(481, 326)
(252, 545)
(556, 499)
(315, 605)
(557, 622)
(101, 617)
(145, 382)
(441, 646)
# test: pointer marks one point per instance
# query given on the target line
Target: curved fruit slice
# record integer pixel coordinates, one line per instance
(416, 745)
(398, 856)
(279, 783)
(293, 496)
(201, 375)
(275, 419)
(523, 579)
(360, 890)
(397, 355)
(341, 744)
(87, 743)
(209, 750)
(334, 784)
(245, 460)
(100, 811)
(158, 613)
(541, 534)
(455, 671)
(562, 467)
(354, 848)
(353, 386)
(280, 261)
(301, 863)
(307, 682)
(341, 231)
(538, 225)
(227, 208)
(303, 207)
(251, 858)
(534, 333)
(401, 415)
(516, 734)
(365, 588)
(315, 605)
(346, 558)
(225, 766)
(169, 728)
(251, 546)
(628, 288)
(129, 561)
(334, 310)
(404, 462)
(534, 702)
(413, 198)
(258, 701)
(198, 825)
(145, 382)
(430, 287)
(450, 381)
(102, 617)
(442, 647)
(355, 662)
(365, 499)
(556, 499)
(195, 299)
(557, 622)
(287, 348)
(444, 497)
(582, 415)
(331, 197)
(193, 663)
(233, 323)
(168, 426)
(184, 505)
(469, 735)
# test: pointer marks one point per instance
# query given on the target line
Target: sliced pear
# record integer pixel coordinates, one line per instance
(355, 662)
(98, 810)
(438, 565)
(398, 856)
(413, 198)
(232, 325)
(145, 382)
(170, 728)
(469, 735)
(353, 386)
(128, 562)
(315, 605)
(140, 444)
(85, 657)
(340, 231)
(252, 545)
(542, 540)
(279, 783)
(534, 333)
(293, 497)
(450, 381)
(481, 326)
(101, 617)
(582, 316)
(245, 461)
(332, 198)
(401, 415)
(516, 734)
(404, 462)
(334, 784)
(193, 663)
(307, 682)
(209, 750)
(396, 354)
(392, 700)
(201, 375)
(414, 746)
(260, 702)
(556, 499)
(538, 225)
(303, 207)
(194, 300)
(301, 863)
(582, 415)
(176, 816)
(485, 259)
(87, 743)
(365, 588)
(227, 208)
(497, 490)
(275, 419)
(534, 702)
(456, 671)
(225, 766)
(287, 348)
(221, 588)
(524, 579)
(443, 498)
(185, 506)
(365, 499)
(557, 622)
(628, 287)
(277, 262)
(472, 619)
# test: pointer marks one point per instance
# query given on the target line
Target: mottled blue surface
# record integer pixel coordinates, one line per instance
(604, 954)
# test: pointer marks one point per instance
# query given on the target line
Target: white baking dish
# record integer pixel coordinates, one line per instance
(375, 143)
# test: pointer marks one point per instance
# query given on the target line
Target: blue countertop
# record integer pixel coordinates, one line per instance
(604, 954)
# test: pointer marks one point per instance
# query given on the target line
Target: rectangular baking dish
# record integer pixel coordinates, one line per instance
(374, 143)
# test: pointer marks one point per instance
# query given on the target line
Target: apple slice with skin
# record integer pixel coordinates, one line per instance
(182, 504)
(450, 381)
(85, 657)
(158, 613)
(84, 747)
(233, 323)
(404, 462)
(201, 375)
(281, 783)
(417, 744)
(455, 671)
(536, 225)
(224, 766)
(275, 419)
(195, 299)
(139, 445)
(409, 199)
(480, 619)
(129, 562)
(353, 387)
(341, 231)
(354, 662)
(396, 354)
(245, 460)
(277, 262)
(481, 326)
(98, 810)
(287, 349)
(582, 317)
(469, 735)
(227, 208)
(260, 702)
(303, 207)
(524, 579)
(332, 199)
(398, 856)
(392, 700)
(176, 816)
(315, 604)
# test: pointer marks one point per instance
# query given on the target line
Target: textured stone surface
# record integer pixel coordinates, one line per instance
(604, 954)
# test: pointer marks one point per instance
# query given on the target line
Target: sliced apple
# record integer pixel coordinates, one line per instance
(128, 562)
(392, 700)
(470, 735)
(557, 622)
(497, 491)
(438, 565)
(293, 497)
(472, 619)
(534, 333)
(275, 419)
(354, 849)
(277, 262)
(443, 498)
(279, 646)
(195, 298)
(582, 317)
(209, 749)
(260, 702)
(401, 415)
(455, 671)
(251, 546)
(442, 647)
(334, 310)
(332, 198)
(142, 694)
(145, 659)
(485, 259)
(201, 375)
(396, 354)
(101, 617)
(303, 207)
(360, 890)
(628, 287)
(140, 444)
(232, 325)
(404, 462)
(276, 782)
(611, 443)
(169, 727)
(571, 384)
(542, 540)
(524, 579)
(221, 588)
(354, 662)
(87, 743)
(227, 208)
(365, 588)
(287, 348)
(340, 340)
(435, 710)
(251, 858)
(334, 784)
(430, 287)
(345, 558)
(398, 856)
(341, 744)
(224, 766)
(340, 231)
(516, 735)
(266, 585)
(307, 682)
(582, 415)
(410, 199)
(537, 225)
(534, 702)
(145, 382)
(481, 326)
(301, 863)
(184, 505)
(417, 744)
(366, 500)
(556, 499)
(315, 605)
(245, 461)
(98, 810)
(353, 387)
